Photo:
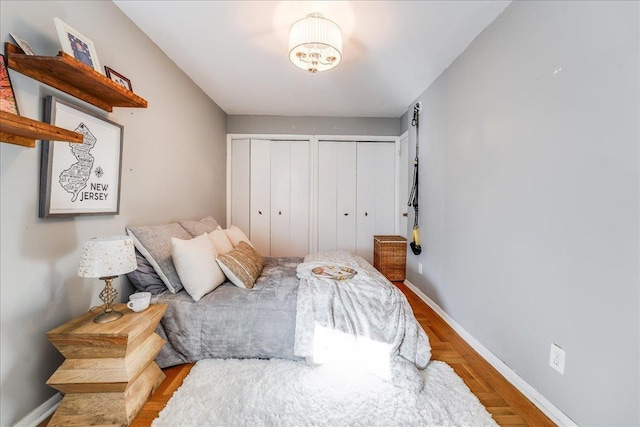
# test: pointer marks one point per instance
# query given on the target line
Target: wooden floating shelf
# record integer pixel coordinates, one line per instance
(71, 76)
(24, 131)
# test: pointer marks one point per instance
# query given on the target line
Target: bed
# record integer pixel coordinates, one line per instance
(289, 312)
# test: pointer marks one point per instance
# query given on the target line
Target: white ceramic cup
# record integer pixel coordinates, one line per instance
(139, 301)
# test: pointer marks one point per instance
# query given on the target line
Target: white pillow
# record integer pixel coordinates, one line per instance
(236, 236)
(220, 241)
(195, 263)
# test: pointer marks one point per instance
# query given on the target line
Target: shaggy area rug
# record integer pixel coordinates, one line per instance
(252, 392)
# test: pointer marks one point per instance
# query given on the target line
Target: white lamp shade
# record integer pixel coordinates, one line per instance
(107, 256)
(315, 43)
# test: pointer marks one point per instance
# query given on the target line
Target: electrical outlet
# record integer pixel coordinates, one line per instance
(557, 358)
(420, 267)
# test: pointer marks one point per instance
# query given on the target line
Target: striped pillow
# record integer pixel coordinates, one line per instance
(242, 265)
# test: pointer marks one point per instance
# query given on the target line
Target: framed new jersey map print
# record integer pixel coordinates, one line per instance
(80, 179)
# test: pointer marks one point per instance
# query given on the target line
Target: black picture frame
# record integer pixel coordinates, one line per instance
(118, 78)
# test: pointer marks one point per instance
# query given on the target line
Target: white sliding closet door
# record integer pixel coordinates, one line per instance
(327, 196)
(240, 186)
(375, 194)
(300, 201)
(280, 196)
(289, 198)
(260, 209)
(346, 192)
(336, 196)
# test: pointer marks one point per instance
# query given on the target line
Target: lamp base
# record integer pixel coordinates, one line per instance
(107, 317)
(108, 295)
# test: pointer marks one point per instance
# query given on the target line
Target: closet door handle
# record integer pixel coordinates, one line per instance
(346, 214)
(366, 214)
(279, 212)
(259, 212)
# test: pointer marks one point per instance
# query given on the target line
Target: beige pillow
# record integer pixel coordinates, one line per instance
(220, 241)
(242, 266)
(236, 236)
(195, 263)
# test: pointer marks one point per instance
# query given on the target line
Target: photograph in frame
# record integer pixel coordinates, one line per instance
(77, 45)
(118, 78)
(26, 48)
(80, 179)
(7, 96)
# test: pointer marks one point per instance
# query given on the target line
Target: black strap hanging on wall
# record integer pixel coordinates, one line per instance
(413, 197)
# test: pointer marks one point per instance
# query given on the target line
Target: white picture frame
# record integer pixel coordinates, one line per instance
(26, 48)
(77, 45)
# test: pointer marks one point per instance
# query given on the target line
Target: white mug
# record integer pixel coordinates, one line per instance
(139, 301)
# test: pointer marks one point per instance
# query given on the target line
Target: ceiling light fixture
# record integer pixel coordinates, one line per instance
(315, 43)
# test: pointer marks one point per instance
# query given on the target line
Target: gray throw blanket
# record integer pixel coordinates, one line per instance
(364, 321)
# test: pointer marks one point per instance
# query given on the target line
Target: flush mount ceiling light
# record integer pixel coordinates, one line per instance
(315, 43)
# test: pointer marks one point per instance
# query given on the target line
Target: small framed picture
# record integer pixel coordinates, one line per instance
(23, 45)
(77, 45)
(80, 179)
(7, 97)
(118, 78)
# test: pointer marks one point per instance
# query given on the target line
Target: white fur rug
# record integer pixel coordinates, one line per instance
(252, 392)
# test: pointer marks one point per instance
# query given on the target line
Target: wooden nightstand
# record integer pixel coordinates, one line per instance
(110, 371)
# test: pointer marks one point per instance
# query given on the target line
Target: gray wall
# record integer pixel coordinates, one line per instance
(404, 122)
(313, 125)
(173, 167)
(529, 208)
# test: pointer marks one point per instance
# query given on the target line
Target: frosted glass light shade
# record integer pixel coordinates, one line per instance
(315, 43)
(107, 256)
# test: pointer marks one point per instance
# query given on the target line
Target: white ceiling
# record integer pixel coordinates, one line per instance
(236, 51)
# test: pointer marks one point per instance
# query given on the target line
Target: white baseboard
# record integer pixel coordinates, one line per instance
(548, 408)
(38, 415)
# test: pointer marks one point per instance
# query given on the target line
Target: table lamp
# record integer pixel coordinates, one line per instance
(107, 258)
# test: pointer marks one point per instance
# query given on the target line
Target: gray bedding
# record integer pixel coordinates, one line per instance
(232, 322)
(364, 321)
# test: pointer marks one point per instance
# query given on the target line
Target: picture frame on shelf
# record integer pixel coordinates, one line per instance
(80, 179)
(7, 96)
(77, 45)
(118, 78)
(26, 48)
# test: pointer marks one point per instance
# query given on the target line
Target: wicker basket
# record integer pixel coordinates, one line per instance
(390, 256)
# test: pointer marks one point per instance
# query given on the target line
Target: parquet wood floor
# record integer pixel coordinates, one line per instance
(507, 405)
